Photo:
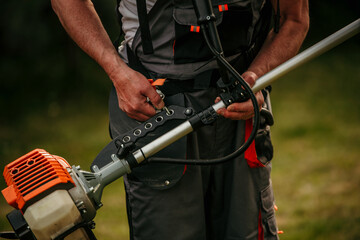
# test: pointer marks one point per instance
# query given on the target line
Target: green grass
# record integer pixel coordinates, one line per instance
(316, 172)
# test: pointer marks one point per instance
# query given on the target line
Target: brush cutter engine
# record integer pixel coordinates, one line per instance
(52, 199)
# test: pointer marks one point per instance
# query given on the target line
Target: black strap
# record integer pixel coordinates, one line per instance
(134, 62)
(277, 18)
(262, 30)
(119, 38)
(8, 235)
(144, 27)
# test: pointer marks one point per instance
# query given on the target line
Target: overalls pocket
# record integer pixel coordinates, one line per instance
(233, 19)
(263, 145)
(189, 45)
(268, 213)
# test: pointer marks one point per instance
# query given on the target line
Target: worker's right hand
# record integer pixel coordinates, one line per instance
(132, 90)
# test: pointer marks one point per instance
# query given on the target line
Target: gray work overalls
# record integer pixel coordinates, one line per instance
(186, 202)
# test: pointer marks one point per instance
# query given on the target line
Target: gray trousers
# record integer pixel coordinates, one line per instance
(223, 202)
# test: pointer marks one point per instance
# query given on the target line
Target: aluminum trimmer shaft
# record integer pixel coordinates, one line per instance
(332, 41)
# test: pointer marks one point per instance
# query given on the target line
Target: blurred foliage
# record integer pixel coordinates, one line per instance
(54, 96)
(40, 64)
(316, 137)
(42, 69)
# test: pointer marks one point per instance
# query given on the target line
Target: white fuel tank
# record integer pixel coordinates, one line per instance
(54, 214)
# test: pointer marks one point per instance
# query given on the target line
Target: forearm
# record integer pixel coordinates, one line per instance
(279, 47)
(83, 25)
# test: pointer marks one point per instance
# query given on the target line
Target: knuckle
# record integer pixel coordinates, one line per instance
(127, 109)
(136, 106)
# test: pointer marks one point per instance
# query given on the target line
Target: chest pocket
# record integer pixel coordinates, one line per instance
(233, 19)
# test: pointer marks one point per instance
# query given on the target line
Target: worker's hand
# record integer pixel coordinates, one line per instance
(132, 90)
(244, 110)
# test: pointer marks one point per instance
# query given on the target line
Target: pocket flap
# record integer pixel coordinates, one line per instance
(267, 198)
(187, 16)
(271, 222)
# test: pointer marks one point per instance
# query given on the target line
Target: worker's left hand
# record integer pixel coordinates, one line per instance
(243, 110)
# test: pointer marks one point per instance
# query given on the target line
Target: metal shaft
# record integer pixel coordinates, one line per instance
(333, 40)
(163, 141)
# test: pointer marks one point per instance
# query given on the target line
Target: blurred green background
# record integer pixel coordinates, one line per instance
(53, 96)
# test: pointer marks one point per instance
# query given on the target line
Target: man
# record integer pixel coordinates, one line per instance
(226, 201)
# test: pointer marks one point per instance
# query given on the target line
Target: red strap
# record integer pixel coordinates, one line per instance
(260, 228)
(250, 153)
(174, 47)
(185, 168)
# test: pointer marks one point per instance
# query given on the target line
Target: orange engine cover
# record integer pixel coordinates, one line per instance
(33, 176)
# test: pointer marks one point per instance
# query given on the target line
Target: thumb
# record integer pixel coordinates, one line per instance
(250, 77)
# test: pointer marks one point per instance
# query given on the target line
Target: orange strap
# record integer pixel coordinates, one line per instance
(223, 8)
(157, 82)
(194, 28)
